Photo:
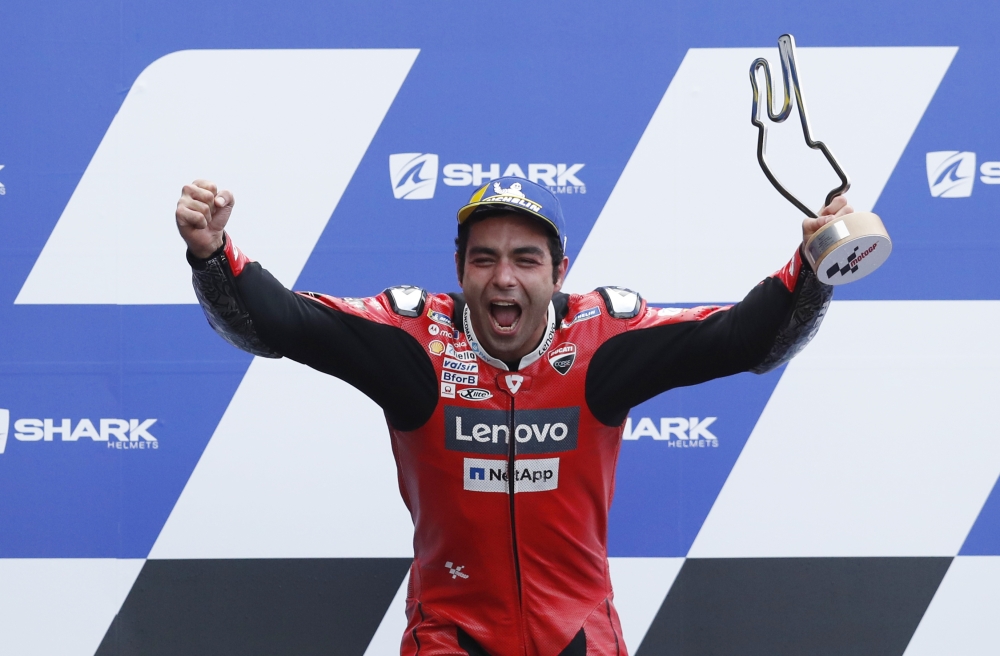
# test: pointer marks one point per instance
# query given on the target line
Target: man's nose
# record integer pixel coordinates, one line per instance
(504, 276)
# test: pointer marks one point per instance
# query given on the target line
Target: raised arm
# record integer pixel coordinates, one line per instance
(202, 215)
(356, 340)
(673, 347)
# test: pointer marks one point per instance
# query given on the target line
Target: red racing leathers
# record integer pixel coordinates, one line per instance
(509, 564)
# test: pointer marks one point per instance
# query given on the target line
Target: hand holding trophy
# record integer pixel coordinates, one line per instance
(844, 250)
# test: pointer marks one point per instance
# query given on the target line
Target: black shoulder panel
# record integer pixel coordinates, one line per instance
(560, 302)
(621, 303)
(406, 300)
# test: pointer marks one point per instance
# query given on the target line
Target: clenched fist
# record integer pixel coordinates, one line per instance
(202, 214)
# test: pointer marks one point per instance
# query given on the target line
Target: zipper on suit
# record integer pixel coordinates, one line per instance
(511, 482)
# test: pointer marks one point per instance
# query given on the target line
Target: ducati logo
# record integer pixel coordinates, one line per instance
(562, 358)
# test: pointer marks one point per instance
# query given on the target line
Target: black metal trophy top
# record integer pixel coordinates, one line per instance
(790, 75)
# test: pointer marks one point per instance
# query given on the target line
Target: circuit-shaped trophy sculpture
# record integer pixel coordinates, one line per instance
(853, 245)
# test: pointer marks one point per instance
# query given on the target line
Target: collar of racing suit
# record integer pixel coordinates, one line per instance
(470, 334)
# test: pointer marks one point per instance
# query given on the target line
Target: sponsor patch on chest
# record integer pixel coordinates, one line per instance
(563, 357)
(459, 365)
(489, 431)
(459, 378)
(482, 475)
(439, 317)
(475, 394)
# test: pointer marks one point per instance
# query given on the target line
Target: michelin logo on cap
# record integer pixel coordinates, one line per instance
(512, 195)
(513, 190)
(524, 195)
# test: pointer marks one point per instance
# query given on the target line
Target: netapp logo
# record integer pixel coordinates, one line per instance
(675, 431)
(414, 175)
(127, 433)
(488, 431)
(529, 475)
(951, 173)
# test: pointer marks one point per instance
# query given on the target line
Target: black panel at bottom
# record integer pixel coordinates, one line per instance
(251, 607)
(794, 606)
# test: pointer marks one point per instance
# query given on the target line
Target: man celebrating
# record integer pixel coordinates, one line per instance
(505, 403)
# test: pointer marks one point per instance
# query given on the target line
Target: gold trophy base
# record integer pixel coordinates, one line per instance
(849, 248)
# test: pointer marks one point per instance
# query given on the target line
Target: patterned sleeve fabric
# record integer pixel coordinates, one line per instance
(358, 340)
(215, 287)
(811, 301)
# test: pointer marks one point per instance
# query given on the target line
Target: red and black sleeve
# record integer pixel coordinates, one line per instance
(359, 341)
(665, 348)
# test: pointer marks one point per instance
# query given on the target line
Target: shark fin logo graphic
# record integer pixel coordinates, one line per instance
(413, 175)
(950, 173)
(4, 425)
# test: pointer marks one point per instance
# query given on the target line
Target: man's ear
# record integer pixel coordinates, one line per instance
(563, 267)
(458, 270)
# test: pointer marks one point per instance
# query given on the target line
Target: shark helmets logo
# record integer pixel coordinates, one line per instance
(558, 178)
(413, 175)
(114, 433)
(678, 432)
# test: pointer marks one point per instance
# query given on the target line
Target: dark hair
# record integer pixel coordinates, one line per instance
(462, 240)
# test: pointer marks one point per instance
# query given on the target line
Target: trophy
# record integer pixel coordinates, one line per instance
(853, 245)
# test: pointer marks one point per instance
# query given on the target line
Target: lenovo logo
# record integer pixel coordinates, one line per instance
(489, 431)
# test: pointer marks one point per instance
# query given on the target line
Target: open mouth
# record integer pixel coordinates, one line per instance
(505, 315)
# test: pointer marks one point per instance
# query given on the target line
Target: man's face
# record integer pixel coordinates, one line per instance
(508, 283)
